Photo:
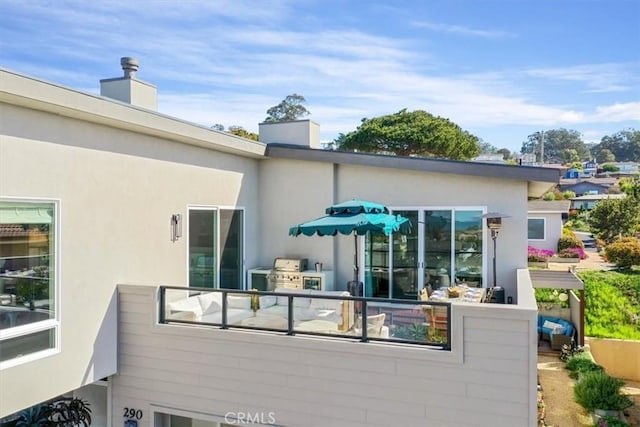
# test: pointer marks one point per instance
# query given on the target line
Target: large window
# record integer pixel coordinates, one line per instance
(536, 228)
(445, 246)
(28, 259)
(216, 250)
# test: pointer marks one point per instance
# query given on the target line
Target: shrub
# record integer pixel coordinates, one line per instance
(538, 255)
(572, 253)
(547, 297)
(609, 421)
(597, 390)
(624, 252)
(569, 240)
(581, 364)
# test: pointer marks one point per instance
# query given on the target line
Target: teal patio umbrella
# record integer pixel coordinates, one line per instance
(357, 217)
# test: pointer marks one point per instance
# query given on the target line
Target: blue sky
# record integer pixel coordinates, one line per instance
(501, 69)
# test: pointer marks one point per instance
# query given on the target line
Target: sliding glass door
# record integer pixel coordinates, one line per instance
(216, 248)
(445, 246)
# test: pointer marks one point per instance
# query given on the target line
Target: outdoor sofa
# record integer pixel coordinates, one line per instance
(207, 307)
(555, 330)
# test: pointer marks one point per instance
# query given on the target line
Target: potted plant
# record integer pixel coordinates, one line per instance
(600, 393)
(255, 301)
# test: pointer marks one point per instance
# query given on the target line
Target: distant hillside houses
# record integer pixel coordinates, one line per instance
(589, 186)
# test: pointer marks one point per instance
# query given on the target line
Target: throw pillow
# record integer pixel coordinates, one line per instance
(556, 328)
(211, 302)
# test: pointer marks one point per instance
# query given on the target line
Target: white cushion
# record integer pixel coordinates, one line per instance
(183, 315)
(211, 302)
(557, 328)
(239, 301)
(297, 301)
(188, 304)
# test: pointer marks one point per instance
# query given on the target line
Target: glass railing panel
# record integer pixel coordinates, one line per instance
(420, 323)
(410, 322)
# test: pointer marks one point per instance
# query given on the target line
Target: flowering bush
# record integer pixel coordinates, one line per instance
(547, 298)
(538, 255)
(572, 253)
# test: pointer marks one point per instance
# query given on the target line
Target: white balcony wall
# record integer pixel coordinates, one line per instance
(488, 379)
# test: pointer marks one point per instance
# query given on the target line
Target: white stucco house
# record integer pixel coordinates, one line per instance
(545, 221)
(104, 200)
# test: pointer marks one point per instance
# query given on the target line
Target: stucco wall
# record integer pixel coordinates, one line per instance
(296, 191)
(488, 379)
(552, 232)
(620, 358)
(117, 192)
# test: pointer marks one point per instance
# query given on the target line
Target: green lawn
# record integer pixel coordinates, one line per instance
(612, 304)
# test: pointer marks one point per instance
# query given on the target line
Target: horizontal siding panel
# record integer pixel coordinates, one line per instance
(516, 338)
(505, 394)
(503, 352)
(138, 318)
(495, 366)
(274, 399)
(309, 381)
(473, 324)
(444, 373)
(140, 307)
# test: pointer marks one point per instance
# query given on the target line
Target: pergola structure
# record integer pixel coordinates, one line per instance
(562, 280)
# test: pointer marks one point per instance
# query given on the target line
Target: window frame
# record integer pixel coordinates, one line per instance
(48, 324)
(420, 268)
(218, 209)
(544, 228)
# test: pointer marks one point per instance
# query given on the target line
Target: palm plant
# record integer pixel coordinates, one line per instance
(60, 412)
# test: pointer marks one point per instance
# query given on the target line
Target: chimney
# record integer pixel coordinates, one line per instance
(128, 88)
(297, 132)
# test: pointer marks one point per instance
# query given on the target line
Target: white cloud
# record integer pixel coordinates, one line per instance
(462, 30)
(598, 78)
(629, 111)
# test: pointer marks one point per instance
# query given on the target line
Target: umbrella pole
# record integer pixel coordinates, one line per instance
(355, 258)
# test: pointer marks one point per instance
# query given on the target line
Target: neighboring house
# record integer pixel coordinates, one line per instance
(545, 220)
(589, 201)
(626, 167)
(588, 186)
(103, 200)
(589, 168)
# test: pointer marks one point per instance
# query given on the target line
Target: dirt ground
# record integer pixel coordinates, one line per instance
(561, 410)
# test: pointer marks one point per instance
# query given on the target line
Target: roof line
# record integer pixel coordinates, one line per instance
(524, 173)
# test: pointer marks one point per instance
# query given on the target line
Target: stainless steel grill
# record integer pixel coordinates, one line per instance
(286, 273)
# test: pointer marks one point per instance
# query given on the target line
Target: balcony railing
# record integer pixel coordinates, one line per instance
(426, 323)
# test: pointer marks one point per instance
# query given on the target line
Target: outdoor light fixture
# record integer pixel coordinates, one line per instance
(494, 223)
(176, 227)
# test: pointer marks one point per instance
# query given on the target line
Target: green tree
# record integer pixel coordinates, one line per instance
(610, 168)
(631, 186)
(411, 133)
(605, 155)
(218, 127)
(506, 154)
(290, 108)
(486, 147)
(625, 145)
(557, 145)
(240, 131)
(613, 218)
